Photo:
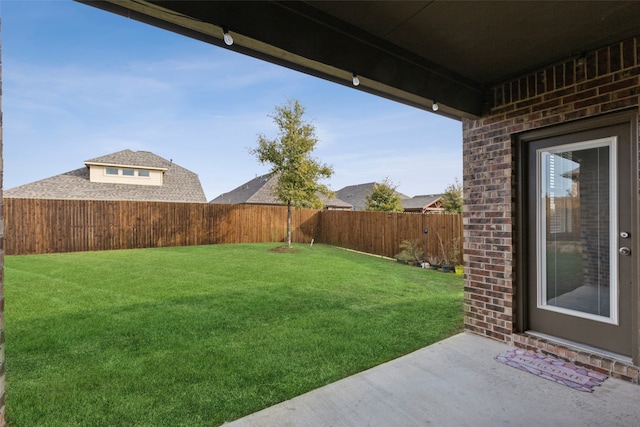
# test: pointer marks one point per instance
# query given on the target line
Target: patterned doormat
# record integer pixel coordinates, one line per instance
(552, 369)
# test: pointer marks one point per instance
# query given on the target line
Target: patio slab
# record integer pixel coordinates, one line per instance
(455, 382)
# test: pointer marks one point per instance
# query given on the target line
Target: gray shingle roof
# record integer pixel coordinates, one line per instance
(260, 191)
(357, 194)
(132, 158)
(421, 202)
(180, 184)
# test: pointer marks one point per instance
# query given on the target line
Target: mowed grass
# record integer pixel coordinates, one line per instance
(202, 335)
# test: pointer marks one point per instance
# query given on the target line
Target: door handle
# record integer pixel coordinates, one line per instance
(624, 251)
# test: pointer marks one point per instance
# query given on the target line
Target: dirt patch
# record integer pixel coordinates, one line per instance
(283, 250)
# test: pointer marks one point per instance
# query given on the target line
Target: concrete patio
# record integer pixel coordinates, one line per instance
(455, 382)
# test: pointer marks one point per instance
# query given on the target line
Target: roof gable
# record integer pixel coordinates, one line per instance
(424, 203)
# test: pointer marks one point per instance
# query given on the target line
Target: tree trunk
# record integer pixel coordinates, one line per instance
(289, 224)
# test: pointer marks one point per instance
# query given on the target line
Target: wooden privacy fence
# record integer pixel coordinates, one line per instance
(381, 232)
(35, 226)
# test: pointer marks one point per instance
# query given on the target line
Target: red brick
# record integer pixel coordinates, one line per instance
(591, 65)
(618, 376)
(628, 53)
(615, 58)
(549, 80)
(603, 61)
(606, 80)
(620, 367)
(569, 73)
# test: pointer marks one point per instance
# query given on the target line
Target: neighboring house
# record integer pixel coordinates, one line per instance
(124, 175)
(356, 195)
(430, 203)
(260, 191)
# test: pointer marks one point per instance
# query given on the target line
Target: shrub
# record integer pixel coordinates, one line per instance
(410, 251)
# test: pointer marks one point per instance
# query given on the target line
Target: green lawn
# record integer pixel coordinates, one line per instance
(202, 335)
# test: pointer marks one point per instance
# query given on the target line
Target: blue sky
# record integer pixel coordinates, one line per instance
(79, 83)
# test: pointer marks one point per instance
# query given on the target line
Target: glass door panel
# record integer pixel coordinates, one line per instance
(576, 205)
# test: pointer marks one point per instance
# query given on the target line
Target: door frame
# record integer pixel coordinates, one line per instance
(520, 144)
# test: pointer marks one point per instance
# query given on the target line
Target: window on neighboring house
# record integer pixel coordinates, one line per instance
(112, 171)
(143, 173)
(127, 172)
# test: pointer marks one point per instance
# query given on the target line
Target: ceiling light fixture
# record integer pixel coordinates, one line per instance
(228, 40)
(435, 106)
(355, 80)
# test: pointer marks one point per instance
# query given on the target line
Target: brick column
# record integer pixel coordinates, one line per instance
(488, 228)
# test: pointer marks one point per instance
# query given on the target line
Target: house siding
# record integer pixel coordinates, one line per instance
(99, 174)
(603, 81)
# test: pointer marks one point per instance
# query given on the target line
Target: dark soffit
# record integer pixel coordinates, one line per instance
(414, 52)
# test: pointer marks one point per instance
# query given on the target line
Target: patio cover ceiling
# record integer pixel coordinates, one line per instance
(413, 52)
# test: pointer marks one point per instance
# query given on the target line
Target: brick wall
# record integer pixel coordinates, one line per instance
(599, 82)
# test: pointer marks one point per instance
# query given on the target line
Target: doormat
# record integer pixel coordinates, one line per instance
(552, 369)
